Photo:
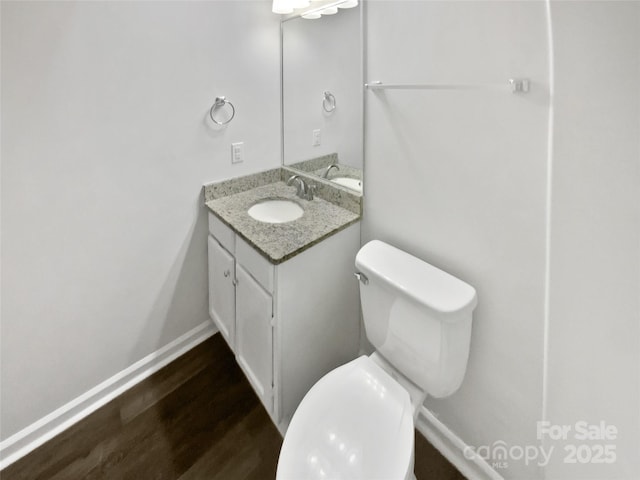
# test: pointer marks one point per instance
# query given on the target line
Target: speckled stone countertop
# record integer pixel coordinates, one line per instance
(281, 241)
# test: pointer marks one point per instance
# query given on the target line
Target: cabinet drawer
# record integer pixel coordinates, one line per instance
(254, 263)
(225, 236)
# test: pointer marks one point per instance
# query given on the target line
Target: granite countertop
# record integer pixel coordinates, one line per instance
(281, 241)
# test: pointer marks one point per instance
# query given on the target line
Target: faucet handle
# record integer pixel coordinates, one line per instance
(301, 190)
(311, 190)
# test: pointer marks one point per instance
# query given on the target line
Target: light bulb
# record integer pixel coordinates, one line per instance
(349, 4)
(311, 15)
(299, 3)
(329, 11)
(282, 7)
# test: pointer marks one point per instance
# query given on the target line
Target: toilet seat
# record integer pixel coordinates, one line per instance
(355, 423)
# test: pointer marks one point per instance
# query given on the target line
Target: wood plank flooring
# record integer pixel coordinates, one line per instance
(196, 419)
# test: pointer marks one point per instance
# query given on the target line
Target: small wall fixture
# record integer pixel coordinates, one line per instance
(328, 102)
(519, 85)
(218, 104)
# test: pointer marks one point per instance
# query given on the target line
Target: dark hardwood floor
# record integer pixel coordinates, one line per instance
(195, 419)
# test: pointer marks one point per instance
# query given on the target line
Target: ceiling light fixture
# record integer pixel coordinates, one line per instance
(283, 7)
(329, 11)
(286, 7)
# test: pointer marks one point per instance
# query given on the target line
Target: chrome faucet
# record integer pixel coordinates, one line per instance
(303, 190)
(326, 172)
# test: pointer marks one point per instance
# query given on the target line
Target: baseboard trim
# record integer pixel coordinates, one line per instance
(21, 443)
(453, 447)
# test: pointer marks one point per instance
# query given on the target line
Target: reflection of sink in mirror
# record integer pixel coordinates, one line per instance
(277, 210)
(352, 183)
(329, 168)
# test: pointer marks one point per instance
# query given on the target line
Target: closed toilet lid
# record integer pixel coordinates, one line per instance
(355, 423)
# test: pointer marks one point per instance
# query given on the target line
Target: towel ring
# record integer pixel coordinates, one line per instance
(329, 102)
(220, 102)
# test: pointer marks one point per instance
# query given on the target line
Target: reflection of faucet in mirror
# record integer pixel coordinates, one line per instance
(326, 172)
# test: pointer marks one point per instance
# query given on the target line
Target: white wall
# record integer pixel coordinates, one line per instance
(462, 179)
(458, 178)
(323, 55)
(105, 146)
(594, 322)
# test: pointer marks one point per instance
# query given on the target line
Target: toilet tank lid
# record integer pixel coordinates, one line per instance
(424, 283)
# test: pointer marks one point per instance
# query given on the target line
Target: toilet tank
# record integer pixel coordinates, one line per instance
(417, 316)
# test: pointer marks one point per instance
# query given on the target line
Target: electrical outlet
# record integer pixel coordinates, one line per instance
(316, 138)
(237, 152)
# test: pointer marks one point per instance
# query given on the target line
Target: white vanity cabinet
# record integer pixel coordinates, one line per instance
(287, 324)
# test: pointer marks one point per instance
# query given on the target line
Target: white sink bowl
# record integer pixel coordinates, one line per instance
(278, 210)
(352, 183)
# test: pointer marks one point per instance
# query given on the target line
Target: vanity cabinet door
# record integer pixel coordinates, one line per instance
(222, 294)
(254, 334)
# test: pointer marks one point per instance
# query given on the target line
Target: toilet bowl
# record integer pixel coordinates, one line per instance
(357, 422)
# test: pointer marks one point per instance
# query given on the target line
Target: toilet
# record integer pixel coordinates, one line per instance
(357, 422)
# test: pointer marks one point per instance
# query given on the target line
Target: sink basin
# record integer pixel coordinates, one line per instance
(277, 210)
(352, 183)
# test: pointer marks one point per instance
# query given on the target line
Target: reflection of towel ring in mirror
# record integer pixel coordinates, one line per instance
(329, 102)
(219, 103)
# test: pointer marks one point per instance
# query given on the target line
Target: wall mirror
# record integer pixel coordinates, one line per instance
(322, 130)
